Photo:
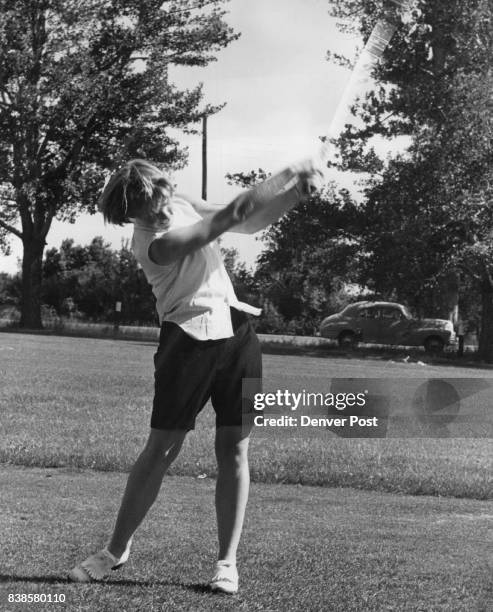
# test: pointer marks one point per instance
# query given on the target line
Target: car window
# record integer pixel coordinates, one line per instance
(369, 313)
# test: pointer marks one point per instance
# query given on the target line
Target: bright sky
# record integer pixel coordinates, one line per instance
(280, 93)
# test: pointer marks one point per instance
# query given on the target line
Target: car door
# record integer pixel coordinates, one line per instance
(394, 326)
(369, 323)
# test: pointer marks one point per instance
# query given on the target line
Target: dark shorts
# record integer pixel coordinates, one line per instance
(189, 372)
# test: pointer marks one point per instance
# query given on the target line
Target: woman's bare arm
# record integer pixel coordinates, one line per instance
(178, 243)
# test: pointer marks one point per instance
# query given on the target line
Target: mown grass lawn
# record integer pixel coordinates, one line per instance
(67, 404)
(85, 403)
(303, 548)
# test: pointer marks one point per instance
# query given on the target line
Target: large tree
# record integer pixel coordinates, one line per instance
(83, 85)
(429, 210)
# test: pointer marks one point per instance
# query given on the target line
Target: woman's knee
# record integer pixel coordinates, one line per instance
(231, 446)
(164, 445)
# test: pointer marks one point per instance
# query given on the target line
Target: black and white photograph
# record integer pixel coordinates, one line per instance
(246, 305)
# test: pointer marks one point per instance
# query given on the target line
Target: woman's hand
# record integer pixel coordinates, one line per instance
(310, 174)
(241, 207)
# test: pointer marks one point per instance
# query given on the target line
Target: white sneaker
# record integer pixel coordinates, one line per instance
(226, 578)
(97, 566)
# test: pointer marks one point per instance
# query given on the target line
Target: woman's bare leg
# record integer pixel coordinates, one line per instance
(143, 484)
(233, 482)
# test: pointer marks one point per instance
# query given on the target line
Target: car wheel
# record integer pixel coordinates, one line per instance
(348, 340)
(434, 345)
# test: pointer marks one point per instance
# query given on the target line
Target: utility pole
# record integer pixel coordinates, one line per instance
(204, 156)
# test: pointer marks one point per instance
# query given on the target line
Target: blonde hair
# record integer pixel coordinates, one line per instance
(134, 191)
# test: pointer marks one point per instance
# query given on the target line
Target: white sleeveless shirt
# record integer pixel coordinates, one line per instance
(195, 292)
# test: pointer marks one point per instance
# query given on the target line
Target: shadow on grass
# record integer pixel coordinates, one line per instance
(197, 588)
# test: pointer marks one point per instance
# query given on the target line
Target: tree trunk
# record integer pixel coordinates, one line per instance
(485, 350)
(32, 261)
(450, 297)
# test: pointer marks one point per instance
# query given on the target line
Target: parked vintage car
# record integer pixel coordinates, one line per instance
(386, 323)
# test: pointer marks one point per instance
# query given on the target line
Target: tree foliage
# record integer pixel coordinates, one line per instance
(87, 281)
(83, 86)
(429, 209)
(311, 255)
(424, 225)
(309, 259)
